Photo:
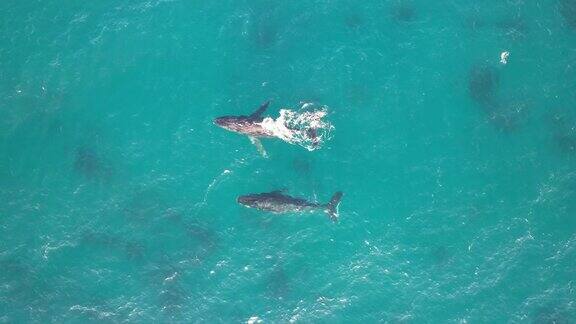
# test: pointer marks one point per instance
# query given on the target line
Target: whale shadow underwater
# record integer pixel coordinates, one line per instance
(91, 165)
(483, 83)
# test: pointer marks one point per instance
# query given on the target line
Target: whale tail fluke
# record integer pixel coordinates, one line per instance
(332, 206)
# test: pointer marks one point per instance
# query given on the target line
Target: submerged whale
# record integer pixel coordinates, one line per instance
(278, 202)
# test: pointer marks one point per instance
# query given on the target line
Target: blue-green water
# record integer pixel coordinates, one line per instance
(459, 172)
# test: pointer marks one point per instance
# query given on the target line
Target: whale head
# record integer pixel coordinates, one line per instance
(248, 200)
(243, 125)
(227, 122)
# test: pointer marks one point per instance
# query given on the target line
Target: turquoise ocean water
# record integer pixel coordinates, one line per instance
(118, 194)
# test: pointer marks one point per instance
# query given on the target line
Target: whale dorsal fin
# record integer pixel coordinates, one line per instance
(260, 111)
(279, 191)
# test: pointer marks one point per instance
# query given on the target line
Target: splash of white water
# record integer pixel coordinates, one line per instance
(304, 127)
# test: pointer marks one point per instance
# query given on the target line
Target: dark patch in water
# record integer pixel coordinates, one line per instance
(353, 21)
(100, 239)
(144, 206)
(172, 299)
(266, 35)
(264, 30)
(130, 250)
(566, 142)
(482, 83)
(167, 280)
(513, 27)
(89, 164)
(568, 11)
(474, 22)
(206, 240)
(552, 315)
(278, 283)
(135, 251)
(505, 116)
(441, 255)
(173, 216)
(21, 289)
(358, 95)
(403, 12)
(564, 133)
(302, 166)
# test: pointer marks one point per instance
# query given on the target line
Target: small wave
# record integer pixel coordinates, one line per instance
(305, 127)
(94, 310)
(214, 182)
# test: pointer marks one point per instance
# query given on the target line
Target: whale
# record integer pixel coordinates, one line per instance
(250, 125)
(303, 128)
(279, 202)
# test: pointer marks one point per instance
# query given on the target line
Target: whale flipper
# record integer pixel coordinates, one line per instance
(259, 146)
(258, 113)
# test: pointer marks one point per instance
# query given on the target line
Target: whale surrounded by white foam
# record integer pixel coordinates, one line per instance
(305, 127)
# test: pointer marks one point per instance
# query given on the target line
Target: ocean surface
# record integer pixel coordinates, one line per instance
(118, 193)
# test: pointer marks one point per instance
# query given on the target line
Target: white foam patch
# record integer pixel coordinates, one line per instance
(504, 57)
(253, 320)
(305, 127)
(48, 248)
